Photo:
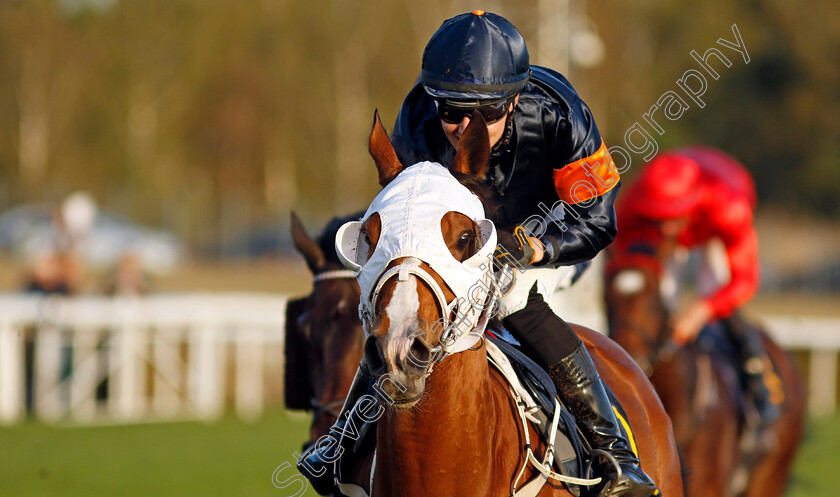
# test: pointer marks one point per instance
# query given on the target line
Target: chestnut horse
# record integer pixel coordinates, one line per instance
(450, 427)
(324, 337)
(701, 391)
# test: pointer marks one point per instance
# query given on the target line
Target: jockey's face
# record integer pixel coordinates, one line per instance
(453, 131)
(671, 228)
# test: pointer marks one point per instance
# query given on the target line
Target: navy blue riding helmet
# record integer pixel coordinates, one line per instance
(474, 57)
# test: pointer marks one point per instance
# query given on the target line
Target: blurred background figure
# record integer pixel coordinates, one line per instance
(54, 272)
(128, 277)
(75, 221)
(701, 199)
(55, 267)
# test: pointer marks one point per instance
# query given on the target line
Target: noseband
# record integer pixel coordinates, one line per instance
(470, 317)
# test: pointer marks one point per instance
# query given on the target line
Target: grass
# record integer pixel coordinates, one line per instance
(232, 458)
(816, 469)
(229, 458)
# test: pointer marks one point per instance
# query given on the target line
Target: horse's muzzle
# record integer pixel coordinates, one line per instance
(401, 379)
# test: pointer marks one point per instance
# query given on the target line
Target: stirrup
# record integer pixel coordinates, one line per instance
(765, 388)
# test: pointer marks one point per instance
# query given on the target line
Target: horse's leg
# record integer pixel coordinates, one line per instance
(770, 476)
(709, 461)
(652, 429)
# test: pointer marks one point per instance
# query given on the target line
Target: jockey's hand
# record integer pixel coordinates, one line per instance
(688, 322)
(517, 248)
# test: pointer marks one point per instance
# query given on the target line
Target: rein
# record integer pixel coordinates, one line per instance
(331, 408)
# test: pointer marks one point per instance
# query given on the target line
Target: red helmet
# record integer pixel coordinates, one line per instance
(668, 187)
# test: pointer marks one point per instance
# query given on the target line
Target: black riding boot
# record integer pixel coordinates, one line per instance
(316, 463)
(582, 391)
(757, 368)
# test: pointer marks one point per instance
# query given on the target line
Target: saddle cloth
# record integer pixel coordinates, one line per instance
(532, 385)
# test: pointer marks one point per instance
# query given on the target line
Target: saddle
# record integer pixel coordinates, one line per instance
(534, 390)
(717, 341)
(756, 437)
(536, 400)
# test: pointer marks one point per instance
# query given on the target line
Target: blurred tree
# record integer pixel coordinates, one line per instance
(209, 118)
(775, 113)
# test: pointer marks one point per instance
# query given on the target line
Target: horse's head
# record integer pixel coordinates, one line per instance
(330, 336)
(423, 255)
(636, 313)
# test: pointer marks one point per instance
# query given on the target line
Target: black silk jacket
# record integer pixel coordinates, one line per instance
(555, 157)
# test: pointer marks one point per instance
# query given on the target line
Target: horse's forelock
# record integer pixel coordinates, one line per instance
(484, 192)
(326, 241)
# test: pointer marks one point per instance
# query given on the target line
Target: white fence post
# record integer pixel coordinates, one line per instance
(83, 377)
(167, 384)
(206, 372)
(12, 378)
(128, 380)
(48, 393)
(249, 372)
(822, 384)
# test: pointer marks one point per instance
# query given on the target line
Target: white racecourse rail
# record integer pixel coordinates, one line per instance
(98, 359)
(188, 356)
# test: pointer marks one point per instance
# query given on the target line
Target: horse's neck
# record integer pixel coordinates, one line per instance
(456, 404)
(676, 381)
(439, 446)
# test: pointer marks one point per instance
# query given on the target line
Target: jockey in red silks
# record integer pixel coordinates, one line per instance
(701, 198)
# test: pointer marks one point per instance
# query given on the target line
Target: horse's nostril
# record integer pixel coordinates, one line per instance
(419, 353)
(373, 355)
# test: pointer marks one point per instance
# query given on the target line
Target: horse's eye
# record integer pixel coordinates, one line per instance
(302, 320)
(366, 238)
(303, 324)
(466, 237)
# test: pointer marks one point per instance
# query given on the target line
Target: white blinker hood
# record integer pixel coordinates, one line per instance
(411, 208)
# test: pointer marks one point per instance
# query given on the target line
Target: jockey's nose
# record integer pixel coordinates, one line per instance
(462, 126)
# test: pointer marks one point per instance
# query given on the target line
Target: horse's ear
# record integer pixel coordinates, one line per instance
(473, 154)
(306, 246)
(383, 152)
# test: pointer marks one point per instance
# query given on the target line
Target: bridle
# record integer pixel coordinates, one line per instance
(335, 274)
(657, 342)
(470, 317)
(661, 347)
(331, 408)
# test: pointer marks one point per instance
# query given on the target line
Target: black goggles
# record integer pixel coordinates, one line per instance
(454, 111)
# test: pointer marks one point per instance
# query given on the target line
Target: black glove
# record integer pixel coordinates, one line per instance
(515, 249)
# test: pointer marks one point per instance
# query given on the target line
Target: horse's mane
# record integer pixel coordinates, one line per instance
(490, 200)
(326, 241)
(484, 192)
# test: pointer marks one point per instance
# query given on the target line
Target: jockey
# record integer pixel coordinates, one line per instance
(700, 197)
(557, 186)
